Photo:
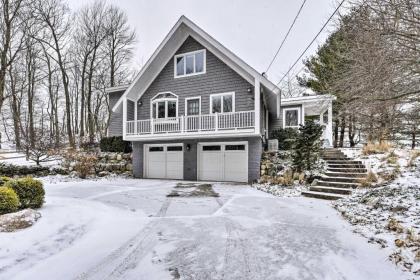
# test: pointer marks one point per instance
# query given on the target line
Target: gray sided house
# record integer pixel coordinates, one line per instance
(198, 112)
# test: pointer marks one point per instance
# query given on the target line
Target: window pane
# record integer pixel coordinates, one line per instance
(216, 104)
(211, 148)
(189, 66)
(193, 107)
(292, 118)
(199, 62)
(235, 148)
(180, 66)
(227, 103)
(174, 148)
(156, 149)
(161, 109)
(171, 109)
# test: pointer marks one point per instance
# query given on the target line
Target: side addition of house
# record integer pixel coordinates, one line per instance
(198, 112)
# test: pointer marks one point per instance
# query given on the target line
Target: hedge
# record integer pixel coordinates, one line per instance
(11, 170)
(115, 144)
(9, 201)
(30, 192)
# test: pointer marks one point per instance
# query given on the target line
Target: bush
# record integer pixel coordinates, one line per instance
(376, 148)
(30, 192)
(85, 165)
(115, 144)
(308, 147)
(369, 180)
(9, 201)
(4, 180)
(286, 137)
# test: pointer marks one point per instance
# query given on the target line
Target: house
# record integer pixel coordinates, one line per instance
(196, 111)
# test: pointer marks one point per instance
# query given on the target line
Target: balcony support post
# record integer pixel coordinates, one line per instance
(124, 117)
(257, 105)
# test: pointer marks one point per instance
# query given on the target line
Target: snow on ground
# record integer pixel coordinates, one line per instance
(129, 229)
(389, 215)
(282, 191)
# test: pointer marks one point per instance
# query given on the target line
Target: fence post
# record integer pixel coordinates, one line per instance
(216, 121)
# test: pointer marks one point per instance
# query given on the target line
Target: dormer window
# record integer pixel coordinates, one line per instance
(164, 105)
(189, 64)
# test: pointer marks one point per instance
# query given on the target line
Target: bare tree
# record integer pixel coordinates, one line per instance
(119, 43)
(55, 20)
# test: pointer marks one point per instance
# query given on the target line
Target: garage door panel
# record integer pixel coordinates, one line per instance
(174, 165)
(230, 163)
(164, 162)
(210, 168)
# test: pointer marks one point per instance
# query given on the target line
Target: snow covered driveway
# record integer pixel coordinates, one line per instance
(129, 229)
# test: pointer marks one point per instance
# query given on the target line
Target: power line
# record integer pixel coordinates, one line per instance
(287, 34)
(313, 40)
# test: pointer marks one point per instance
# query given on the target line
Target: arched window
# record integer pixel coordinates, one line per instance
(164, 105)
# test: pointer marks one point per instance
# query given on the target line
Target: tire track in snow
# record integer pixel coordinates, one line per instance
(237, 256)
(121, 256)
(163, 208)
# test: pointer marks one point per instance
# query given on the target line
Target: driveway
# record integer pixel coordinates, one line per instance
(130, 229)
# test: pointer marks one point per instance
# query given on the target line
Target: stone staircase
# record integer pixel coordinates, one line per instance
(342, 175)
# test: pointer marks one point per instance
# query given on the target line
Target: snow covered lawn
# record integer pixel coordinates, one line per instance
(129, 229)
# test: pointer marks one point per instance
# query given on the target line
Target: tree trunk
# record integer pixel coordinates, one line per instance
(335, 142)
(342, 131)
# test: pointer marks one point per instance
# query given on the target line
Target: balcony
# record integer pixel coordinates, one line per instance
(212, 124)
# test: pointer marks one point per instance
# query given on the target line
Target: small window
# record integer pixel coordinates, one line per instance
(212, 148)
(191, 63)
(174, 148)
(193, 106)
(291, 117)
(164, 105)
(222, 103)
(235, 148)
(156, 149)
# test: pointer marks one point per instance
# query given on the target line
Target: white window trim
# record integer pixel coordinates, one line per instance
(154, 101)
(199, 105)
(185, 61)
(299, 109)
(221, 103)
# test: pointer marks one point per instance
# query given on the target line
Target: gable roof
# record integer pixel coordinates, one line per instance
(171, 43)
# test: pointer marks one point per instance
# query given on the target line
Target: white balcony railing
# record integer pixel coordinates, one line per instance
(225, 122)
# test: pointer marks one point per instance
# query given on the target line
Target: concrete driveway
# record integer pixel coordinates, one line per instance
(130, 229)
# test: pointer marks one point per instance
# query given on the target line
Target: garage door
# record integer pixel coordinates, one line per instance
(164, 161)
(223, 161)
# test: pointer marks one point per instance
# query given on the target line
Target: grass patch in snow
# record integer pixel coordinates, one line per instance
(193, 190)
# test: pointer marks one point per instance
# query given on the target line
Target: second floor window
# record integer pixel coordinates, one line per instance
(192, 63)
(164, 105)
(222, 103)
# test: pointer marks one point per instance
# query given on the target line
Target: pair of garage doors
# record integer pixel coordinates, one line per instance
(227, 161)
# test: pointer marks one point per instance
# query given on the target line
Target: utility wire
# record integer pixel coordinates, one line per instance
(313, 40)
(287, 34)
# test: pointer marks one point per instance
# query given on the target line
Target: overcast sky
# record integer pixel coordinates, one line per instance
(252, 29)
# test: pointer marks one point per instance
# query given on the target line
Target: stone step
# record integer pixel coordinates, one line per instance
(337, 184)
(347, 165)
(334, 158)
(322, 195)
(330, 190)
(341, 179)
(345, 174)
(335, 161)
(347, 169)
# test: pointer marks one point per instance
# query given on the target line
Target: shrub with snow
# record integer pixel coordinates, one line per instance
(9, 201)
(30, 191)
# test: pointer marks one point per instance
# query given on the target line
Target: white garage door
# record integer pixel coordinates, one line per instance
(165, 161)
(223, 161)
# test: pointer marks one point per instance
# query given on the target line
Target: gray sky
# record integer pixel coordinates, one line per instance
(252, 29)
